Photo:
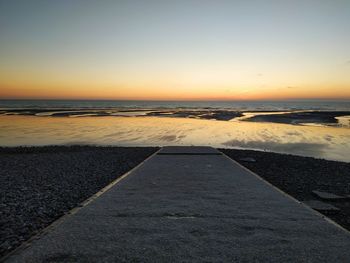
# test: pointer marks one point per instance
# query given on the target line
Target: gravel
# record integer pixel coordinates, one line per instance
(299, 176)
(40, 184)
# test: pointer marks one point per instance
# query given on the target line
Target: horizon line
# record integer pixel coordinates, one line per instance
(175, 100)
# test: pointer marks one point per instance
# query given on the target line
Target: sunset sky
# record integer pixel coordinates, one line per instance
(175, 50)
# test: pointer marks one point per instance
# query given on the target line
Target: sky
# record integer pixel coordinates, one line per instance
(175, 50)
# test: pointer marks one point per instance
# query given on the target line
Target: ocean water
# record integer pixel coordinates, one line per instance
(134, 129)
(335, 105)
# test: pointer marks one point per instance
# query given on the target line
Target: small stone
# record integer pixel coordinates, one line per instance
(321, 206)
(328, 196)
(248, 160)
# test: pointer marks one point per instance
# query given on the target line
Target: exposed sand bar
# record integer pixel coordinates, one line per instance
(321, 142)
(300, 117)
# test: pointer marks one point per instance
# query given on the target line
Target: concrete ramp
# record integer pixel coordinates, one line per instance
(190, 150)
(191, 204)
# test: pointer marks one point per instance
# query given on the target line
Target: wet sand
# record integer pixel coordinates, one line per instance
(292, 117)
(321, 142)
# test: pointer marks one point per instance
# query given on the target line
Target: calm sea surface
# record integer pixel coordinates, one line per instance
(322, 142)
(236, 105)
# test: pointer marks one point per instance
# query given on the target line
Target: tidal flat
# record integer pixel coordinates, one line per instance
(327, 142)
(304, 117)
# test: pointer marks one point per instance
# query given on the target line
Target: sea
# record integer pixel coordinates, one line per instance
(318, 141)
(331, 105)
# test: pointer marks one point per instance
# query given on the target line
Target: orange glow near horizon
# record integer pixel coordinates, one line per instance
(136, 94)
(175, 50)
(173, 92)
(191, 81)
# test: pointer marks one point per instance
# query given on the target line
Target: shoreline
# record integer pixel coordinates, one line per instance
(40, 184)
(334, 118)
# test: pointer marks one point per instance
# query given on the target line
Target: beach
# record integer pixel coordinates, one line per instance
(336, 118)
(297, 147)
(41, 184)
(172, 131)
(326, 142)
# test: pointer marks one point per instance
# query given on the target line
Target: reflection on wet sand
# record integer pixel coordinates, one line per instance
(299, 148)
(323, 142)
(344, 121)
(295, 117)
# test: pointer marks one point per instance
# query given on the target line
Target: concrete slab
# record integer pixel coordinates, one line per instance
(191, 208)
(184, 150)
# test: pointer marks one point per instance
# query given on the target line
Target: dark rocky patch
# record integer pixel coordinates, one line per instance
(320, 117)
(222, 115)
(67, 114)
